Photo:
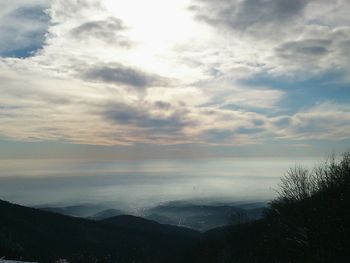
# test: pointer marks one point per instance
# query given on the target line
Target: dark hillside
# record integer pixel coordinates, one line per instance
(46, 236)
(308, 222)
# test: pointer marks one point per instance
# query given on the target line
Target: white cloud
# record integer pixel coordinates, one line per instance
(326, 121)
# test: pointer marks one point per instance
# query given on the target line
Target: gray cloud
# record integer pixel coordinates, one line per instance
(108, 30)
(307, 47)
(241, 15)
(119, 74)
(142, 118)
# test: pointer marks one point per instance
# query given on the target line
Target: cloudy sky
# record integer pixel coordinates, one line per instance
(156, 78)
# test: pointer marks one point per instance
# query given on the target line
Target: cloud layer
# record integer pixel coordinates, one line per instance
(81, 72)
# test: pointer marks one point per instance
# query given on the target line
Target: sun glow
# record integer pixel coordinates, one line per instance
(143, 19)
(157, 28)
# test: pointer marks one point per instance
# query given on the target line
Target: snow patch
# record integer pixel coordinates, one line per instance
(13, 261)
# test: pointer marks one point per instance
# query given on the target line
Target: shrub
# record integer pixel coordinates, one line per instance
(300, 183)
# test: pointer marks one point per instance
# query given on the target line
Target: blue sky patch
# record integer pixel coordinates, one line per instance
(305, 92)
(17, 38)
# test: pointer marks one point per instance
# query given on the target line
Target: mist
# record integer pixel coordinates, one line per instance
(131, 185)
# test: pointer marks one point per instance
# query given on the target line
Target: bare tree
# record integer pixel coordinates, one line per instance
(299, 183)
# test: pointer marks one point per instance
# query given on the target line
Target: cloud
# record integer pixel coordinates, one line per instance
(106, 80)
(307, 48)
(107, 30)
(119, 74)
(325, 121)
(54, 108)
(314, 56)
(243, 15)
(279, 38)
(66, 11)
(248, 97)
(75, 111)
(224, 92)
(159, 121)
(177, 96)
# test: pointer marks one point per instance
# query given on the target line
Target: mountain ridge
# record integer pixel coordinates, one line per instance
(45, 236)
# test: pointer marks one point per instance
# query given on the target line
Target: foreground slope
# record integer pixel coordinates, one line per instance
(44, 236)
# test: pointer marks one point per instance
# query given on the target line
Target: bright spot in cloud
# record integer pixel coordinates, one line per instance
(158, 28)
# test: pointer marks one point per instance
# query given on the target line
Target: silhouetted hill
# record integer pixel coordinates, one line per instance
(45, 236)
(149, 226)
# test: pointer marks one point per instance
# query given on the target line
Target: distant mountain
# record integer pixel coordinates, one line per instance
(249, 205)
(202, 217)
(108, 213)
(43, 236)
(84, 210)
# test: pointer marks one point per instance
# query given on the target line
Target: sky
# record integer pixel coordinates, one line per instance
(184, 79)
